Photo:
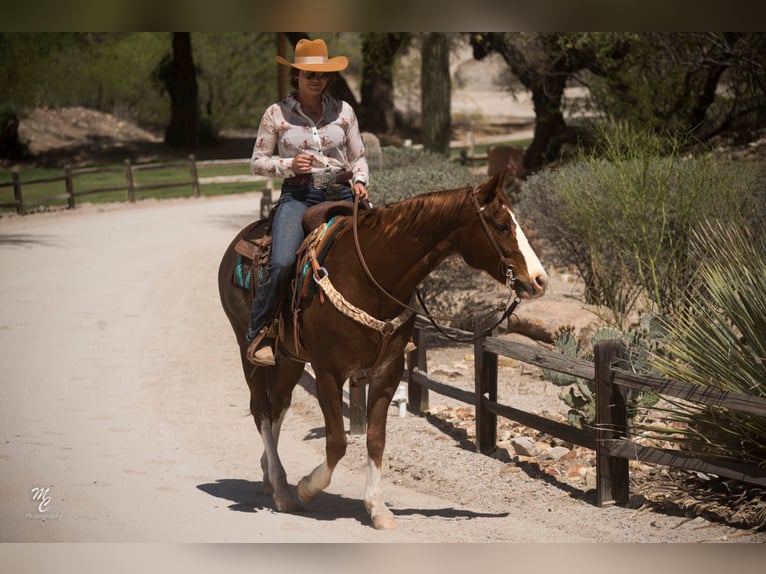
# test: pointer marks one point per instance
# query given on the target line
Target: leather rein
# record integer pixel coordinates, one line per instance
(510, 279)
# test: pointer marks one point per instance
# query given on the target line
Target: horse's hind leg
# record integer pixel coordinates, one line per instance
(330, 395)
(381, 391)
(270, 396)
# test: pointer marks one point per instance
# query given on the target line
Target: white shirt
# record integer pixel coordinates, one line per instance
(334, 140)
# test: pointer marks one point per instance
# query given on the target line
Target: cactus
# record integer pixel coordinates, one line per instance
(567, 344)
(580, 394)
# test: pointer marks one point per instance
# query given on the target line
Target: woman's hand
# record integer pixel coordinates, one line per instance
(360, 190)
(302, 163)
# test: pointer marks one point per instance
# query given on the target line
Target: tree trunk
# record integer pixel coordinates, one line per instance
(376, 113)
(180, 79)
(435, 93)
(550, 127)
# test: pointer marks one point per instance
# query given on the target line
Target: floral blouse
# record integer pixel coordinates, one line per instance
(334, 140)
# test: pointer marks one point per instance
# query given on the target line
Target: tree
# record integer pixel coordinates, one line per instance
(543, 63)
(699, 83)
(236, 75)
(435, 92)
(702, 84)
(376, 112)
(179, 76)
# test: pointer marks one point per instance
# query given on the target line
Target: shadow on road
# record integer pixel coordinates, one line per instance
(245, 496)
(26, 240)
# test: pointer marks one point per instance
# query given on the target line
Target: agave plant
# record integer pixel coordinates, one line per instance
(718, 339)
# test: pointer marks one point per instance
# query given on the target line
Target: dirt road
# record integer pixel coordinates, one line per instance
(123, 404)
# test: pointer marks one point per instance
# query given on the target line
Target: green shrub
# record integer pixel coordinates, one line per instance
(623, 216)
(410, 171)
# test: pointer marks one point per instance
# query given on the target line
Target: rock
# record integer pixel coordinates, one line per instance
(524, 446)
(555, 453)
(577, 471)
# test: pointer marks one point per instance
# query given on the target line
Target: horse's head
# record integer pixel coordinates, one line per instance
(497, 244)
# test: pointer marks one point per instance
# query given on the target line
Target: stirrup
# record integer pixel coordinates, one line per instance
(260, 352)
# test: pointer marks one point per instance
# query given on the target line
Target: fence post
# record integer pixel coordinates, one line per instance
(357, 400)
(612, 474)
(69, 187)
(195, 179)
(266, 200)
(129, 177)
(16, 179)
(417, 395)
(485, 377)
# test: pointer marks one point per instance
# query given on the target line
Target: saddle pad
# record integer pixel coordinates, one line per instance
(243, 272)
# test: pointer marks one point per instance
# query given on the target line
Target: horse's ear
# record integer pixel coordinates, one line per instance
(491, 188)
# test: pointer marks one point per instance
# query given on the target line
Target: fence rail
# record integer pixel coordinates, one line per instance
(609, 434)
(71, 192)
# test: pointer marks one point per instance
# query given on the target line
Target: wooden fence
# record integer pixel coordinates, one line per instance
(609, 435)
(71, 192)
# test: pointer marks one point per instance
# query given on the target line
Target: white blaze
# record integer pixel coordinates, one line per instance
(534, 267)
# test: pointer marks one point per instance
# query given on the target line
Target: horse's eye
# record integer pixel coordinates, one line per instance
(502, 227)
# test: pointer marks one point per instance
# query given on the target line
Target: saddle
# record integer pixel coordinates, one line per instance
(321, 224)
(255, 247)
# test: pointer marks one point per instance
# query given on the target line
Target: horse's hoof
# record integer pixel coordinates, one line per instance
(286, 503)
(384, 522)
(303, 494)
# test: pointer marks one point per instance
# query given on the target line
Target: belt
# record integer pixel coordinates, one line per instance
(305, 178)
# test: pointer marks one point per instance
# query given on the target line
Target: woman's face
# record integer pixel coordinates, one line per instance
(312, 83)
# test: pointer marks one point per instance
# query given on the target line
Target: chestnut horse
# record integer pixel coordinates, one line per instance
(400, 243)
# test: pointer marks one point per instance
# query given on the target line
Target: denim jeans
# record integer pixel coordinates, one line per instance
(286, 237)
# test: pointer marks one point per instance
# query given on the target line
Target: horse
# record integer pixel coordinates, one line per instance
(374, 266)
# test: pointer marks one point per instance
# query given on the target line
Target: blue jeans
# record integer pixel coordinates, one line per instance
(286, 237)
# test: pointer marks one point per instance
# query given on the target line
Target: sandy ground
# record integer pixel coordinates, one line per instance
(121, 396)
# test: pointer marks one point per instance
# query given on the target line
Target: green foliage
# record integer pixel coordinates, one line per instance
(236, 75)
(698, 82)
(115, 73)
(717, 341)
(623, 216)
(411, 171)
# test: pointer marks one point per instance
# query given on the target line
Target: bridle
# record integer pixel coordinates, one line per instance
(510, 278)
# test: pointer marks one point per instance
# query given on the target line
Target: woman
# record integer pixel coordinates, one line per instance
(320, 157)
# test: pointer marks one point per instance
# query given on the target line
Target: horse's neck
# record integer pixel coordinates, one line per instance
(407, 240)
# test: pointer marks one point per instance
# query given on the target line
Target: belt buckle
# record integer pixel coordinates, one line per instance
(322, 180)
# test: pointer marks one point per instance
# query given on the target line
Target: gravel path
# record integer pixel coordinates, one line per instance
(121, 397)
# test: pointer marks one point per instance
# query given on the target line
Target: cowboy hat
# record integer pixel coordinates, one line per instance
(311, 55)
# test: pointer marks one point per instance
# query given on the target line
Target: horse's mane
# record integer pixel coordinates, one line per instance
(409, 214)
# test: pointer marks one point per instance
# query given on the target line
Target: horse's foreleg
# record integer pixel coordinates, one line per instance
(381, 392)
(329, 393)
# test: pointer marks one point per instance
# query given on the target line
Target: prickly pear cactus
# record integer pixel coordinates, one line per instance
(580, 395)
(567, 344)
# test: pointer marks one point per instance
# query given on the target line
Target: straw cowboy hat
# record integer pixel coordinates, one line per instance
(311, 55)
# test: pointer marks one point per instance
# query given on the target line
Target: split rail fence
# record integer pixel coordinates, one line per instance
(132, 188)
(609, 434)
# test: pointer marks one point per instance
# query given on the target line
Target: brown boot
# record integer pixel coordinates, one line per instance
(261, 352)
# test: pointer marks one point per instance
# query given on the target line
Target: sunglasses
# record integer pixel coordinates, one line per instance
(316, 75)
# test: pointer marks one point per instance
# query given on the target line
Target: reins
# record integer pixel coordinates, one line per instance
(510, 306)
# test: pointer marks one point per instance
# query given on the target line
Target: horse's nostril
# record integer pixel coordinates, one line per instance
(541, 281)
